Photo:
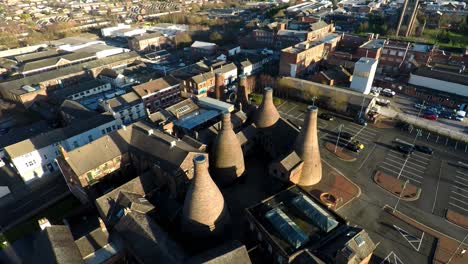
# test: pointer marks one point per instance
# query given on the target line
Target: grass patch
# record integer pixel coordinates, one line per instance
(257, 99)
(55, 213)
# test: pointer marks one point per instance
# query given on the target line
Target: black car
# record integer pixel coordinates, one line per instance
(361, 121)
(346, 135)
(405, 149)
(327, 117)
(424, 149)
(446, 115)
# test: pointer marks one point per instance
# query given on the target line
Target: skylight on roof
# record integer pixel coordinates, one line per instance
(287, 228)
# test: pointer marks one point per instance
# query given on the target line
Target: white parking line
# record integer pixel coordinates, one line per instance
(292, 108)
(460, 188)
(459, 207)
(364, 131)
(399, 158)
(460, 194)
(406, 166)
(461, 183)
(402, 175)
(399, 168)
(421, 157)
(461, 178)
(456, 199)
(462, 173)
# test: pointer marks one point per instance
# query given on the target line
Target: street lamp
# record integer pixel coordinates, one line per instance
(338, 138)
(313, 100)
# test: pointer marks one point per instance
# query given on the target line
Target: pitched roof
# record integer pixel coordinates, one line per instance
(37, 55)
(148, 36)
(123, 101)
(83, 85)
(226, 68)
(57, 135)
(77, 110)
(55, 244)
(167, 150)
(147, 241)
(203, 45)
(228, 253)
(49, 62)
(318, 25)
(203, 77)
(290, 161)
(155, 85)
(16, 85)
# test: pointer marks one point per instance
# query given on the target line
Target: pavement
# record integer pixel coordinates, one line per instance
(436, 175)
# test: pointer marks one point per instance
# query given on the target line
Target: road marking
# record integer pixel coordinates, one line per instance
(459, 207)
(402, 175)
(417, 175)
(392, 258)
(421, 157)
(461, 183)
(292, 108)
(407, 166)
(437, 189)
(460, 188)
(462, 173)
(461, 178)
(459, 194)
(412, 240)
(456, 199)
(407, 161)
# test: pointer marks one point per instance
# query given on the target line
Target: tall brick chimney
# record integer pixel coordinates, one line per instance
(242, 90)
(219, 86)
(227, 157)
(307, 147)
(205, 213)
(266, 115)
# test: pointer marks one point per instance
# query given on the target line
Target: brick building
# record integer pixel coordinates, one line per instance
(301, 58)
(145, 42)
(159, 93)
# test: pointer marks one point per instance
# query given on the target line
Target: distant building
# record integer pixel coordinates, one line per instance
(302, 57)
(80, 90)
(363, 75)
(159, 93)
(253, 64)
(32, 67)
(200, 84)
(146, 42)
(126, 108)
(128, 32)
(200, 48)
(33, 158)
(306, 231)
(107, 32)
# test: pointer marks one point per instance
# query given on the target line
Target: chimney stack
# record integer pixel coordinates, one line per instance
(307, 147)
(219, 86)
(228, 159)
(242, 90)
(204, 213)
(266, 115)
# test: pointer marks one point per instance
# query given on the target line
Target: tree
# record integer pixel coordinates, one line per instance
(182, 39)
(280, 14)
(25, 16)
(216, 37)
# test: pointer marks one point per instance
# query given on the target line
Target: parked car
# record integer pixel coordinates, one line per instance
(387, 92)
(405, 149)
(459, 118)
(355, 146)
(420, 106)
(430, 116)
(446, 115)
(382, 102)
(346, 135)
(325, 116)
(424, 149)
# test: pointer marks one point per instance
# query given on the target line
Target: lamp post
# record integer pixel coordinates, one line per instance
(338, 138)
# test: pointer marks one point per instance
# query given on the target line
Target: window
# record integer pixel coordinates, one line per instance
(45, 156)
(75, 144)
(103, 132)
(113, 127)
(359, 241)
(90, 138)
(90, 176)
(109, 129)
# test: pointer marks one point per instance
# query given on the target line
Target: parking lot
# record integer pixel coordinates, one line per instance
(410, 167)
(458, 196)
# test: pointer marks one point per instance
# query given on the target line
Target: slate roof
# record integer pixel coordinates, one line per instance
(291, 161)
(57, 135)
(147, 241)
(203, 77)
(318, 25)
(55, 245)
(135, 138)
(16, 85)
(37, 55)
(124, 101)
(84, 85)
(18, 134)
(155, 85)
(232, 252)
(77, 110)
(70, 58)
(226, 68)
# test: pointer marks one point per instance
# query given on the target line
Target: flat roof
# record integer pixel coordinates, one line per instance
(305, 45)
(298, 214)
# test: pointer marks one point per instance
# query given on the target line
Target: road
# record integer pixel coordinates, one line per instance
(444, 186)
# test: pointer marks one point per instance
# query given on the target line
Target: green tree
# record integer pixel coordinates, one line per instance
(25, 16)
(182, 39)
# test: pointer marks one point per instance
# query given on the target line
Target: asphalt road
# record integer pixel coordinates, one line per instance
(444, 185)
